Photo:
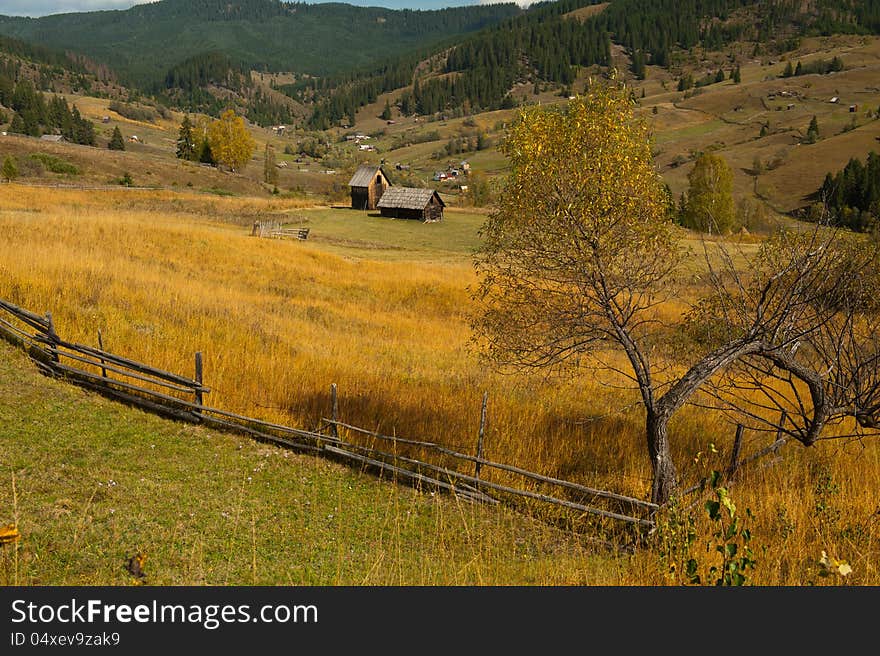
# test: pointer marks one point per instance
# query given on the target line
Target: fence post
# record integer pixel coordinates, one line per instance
(52, 336)
(334, 410)
(780, 436)
(199, 374)
(101, 346)
(479, 464)
(737, 446)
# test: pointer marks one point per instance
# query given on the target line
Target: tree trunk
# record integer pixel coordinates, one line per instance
(665, 476)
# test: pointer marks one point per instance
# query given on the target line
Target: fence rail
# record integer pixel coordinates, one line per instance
(182, 398)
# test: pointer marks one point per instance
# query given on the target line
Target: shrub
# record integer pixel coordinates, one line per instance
(55, 164)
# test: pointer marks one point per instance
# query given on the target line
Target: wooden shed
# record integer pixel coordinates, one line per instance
(412, 203)
(368, 184)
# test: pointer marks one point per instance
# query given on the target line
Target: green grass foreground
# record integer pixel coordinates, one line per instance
(91, 482)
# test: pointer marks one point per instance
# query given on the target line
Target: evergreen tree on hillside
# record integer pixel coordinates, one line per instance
(10, 170)
(17, 125)
(813, 131)
(186, 143)
(116, 141)
(206, 155)
(852, 195)
(735, 75)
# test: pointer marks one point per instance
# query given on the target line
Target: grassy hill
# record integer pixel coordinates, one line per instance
(380, 307)
(90, 483)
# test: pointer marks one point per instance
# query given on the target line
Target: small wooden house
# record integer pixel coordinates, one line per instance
(368, 184)
(412, 203)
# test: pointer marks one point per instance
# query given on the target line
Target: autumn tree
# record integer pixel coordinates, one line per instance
(116, 140)
(231, 143)
(580, 252)
(710, 206)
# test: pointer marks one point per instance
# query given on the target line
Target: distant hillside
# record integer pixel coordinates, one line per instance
(551, 42)
(144, 42)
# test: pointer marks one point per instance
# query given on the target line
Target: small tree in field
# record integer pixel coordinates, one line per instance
(10, 170)
(186, 141)
(710, 206)
(231, 143)
(580, 252)
(116, 141)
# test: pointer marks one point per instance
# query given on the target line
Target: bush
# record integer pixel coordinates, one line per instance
(55, 164)
(134, 112)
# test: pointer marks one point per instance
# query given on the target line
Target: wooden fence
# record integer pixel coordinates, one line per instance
(275, 230)
(437, 467)
(471, 477)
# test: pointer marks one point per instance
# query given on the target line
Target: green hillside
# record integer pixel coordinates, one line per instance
(142, 43)
(90, 483)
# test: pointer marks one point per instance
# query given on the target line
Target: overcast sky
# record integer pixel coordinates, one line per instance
(44, 7)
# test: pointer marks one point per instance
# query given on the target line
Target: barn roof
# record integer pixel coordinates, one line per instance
(408, 198)
(363, 177)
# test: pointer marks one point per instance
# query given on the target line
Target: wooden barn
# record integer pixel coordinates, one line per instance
(368, 184)
(412, 203)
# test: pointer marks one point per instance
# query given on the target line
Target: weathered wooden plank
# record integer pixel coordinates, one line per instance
(35, 320)
(126, 362)
(510, 468)
(134, 400)
(101, 364)
(478, 465)
(199, 372)
(412, 461)
(15, 334)
(421, 478)
(75, 372)
(334, 409)
(737, 447)
(260, 435)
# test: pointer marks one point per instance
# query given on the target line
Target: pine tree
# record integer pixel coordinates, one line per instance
(206, 155)
(17, 126)
(813, 131)
(9, 170)
(799, 69)
(386, 113)
(736, 76)
(719, 76)
(186, 143)
(116, 141)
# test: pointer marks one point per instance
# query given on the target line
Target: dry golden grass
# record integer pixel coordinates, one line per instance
(164, 275)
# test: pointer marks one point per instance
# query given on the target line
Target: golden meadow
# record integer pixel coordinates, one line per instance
(163, 275)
